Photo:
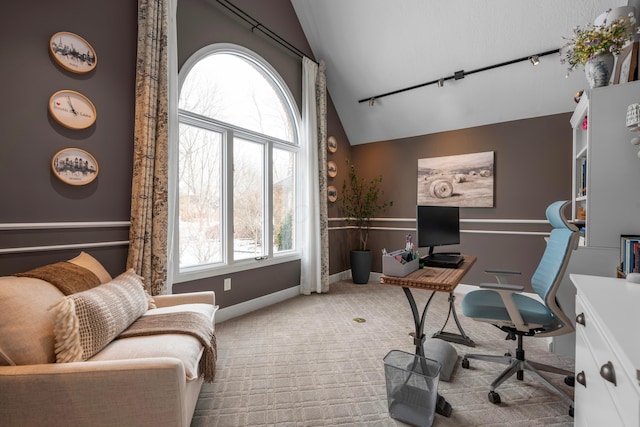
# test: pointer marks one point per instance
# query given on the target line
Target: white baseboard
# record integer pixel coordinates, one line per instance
(256, 304)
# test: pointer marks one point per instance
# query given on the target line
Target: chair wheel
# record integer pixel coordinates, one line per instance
(465, 363)
(570, 381)
(571, 411)
(494, 397)
(508, 354)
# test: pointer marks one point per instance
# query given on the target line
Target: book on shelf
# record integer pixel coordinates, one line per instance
(629, 253)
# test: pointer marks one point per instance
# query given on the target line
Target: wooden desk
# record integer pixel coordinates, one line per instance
(436, 280)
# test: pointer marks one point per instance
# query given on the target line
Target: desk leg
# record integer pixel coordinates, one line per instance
(442, 406)
(461, 338)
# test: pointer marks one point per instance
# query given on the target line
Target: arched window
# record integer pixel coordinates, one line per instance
(237, 164)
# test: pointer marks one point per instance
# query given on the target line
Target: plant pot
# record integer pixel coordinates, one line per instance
(360, 266)
(598, 70)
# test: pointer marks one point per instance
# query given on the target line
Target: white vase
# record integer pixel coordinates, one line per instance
(598, 70)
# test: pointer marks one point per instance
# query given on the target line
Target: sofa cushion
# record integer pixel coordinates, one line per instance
(90, 263)
(26, 323)
(186, 348)
(87, 321)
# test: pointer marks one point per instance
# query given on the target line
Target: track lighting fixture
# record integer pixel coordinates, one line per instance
(459, 75)
(372, 101)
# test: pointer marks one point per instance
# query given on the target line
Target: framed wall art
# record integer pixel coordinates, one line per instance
(464, 180)
(74, 166)
(72, 52)
(332, 193)
(72, 109)
(332, 169)
(332, 144)
(626, 64)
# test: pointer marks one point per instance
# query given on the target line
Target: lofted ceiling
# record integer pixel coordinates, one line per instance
(372, 47)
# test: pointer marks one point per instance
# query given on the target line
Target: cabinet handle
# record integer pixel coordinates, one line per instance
(580, 319)
(581, 378)
(608, 373)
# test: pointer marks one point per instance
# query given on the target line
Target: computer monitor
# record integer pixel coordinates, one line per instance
(437, 226)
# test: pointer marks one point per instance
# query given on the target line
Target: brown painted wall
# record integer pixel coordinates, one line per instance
(532, 156)
(30, 137)
(532, 169)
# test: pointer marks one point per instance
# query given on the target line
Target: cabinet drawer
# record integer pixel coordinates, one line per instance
(593, 403)
(594, 342)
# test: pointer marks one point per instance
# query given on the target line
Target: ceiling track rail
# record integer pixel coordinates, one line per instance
(257, 25)
(457, 76)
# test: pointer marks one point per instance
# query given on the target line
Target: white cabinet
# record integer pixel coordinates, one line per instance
(606, 168)
(607, 389)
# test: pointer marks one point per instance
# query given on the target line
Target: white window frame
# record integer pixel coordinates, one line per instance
(228, 265)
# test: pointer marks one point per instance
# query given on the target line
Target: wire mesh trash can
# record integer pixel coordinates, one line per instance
(412, 387)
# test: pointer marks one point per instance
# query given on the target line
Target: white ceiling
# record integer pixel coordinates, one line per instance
(373, 47)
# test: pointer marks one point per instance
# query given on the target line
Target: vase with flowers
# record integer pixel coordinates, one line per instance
(593, 47)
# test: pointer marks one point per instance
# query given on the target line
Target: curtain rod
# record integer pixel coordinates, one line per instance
(257, 25)
(459, 75)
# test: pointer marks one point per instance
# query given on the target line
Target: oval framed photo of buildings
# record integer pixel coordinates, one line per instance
(74, 166)
(464, 180)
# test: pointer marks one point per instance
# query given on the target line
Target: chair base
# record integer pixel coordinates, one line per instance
(517, 365)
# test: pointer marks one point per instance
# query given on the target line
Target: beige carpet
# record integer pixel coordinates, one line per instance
(306, 362)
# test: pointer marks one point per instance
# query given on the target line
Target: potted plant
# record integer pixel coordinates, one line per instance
(361, 202)
(594, 46)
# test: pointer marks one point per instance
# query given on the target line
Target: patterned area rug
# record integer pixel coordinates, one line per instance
(307, 362)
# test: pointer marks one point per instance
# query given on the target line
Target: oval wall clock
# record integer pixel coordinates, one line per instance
(74, 166)
(72, 109)
(72, 52)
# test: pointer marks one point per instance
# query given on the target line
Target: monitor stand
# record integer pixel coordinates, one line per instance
(442, 259)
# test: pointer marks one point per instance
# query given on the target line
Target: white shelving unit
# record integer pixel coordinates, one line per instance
(611, 198)
(606, 169)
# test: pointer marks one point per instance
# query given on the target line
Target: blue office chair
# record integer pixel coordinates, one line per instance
(504, 306)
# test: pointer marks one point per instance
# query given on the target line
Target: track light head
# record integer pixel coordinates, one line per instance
(372, 101)
(535, 60)
(440, 82)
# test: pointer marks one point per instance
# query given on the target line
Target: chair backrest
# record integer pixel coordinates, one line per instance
(563, 240)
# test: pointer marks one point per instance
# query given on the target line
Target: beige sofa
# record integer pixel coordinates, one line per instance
(151, 380)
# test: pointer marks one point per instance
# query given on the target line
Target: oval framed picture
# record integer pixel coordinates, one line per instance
(332, 169)
(72, 109)
(332, 193)
(74, 166)
(332, 144)
(72, 52)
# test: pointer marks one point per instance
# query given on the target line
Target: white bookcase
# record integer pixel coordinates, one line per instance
(610, 191)
(612, 195)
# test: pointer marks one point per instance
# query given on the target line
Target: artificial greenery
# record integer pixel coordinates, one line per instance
(592, 40)
(361, 202)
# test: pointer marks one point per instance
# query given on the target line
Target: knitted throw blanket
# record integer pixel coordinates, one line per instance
(188, 322)
(67, 277)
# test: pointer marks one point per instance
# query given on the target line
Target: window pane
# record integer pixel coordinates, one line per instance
(232, 89)
(199, 182)
(283, 200)
(248, 199)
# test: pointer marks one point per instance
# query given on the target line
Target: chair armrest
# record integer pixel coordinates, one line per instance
(503, 272)
(502, 287)
(204, 297)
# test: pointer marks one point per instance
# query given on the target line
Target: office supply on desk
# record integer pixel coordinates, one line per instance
(506, 308)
